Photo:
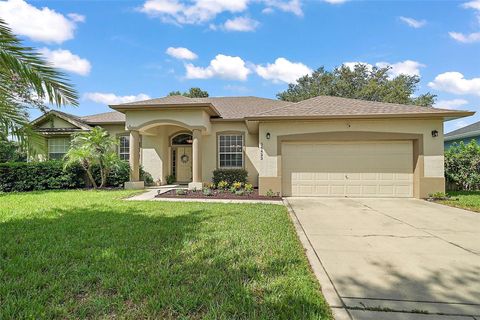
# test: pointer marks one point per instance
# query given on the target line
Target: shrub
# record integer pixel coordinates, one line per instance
(207, 192)
(180, 192)
(270, 193)
(248, 188)
(462, 166)
(209, 185)
(28, 176)
(223, 185)
(118, 175)
(237, 185)
(230, 175)
(146, 177)
(170, 179)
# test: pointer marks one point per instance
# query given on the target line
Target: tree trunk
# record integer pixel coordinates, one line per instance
(90, 177)
(102, 175)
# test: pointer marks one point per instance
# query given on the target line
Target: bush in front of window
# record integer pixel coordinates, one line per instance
(118, 175)
(230, 176)
(30, 176)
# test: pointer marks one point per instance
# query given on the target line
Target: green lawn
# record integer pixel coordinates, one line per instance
(469, 200)
(89, 254)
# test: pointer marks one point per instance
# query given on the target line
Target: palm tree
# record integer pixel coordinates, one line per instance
(83, 156)
(27, 81)
(95, 147)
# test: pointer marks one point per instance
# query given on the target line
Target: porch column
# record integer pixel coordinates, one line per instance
(196, 160)
(134, 159)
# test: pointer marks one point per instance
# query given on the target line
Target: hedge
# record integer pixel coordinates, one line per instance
(230, 175)
(28, 176)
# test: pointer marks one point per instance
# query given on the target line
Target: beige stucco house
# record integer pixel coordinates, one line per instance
(324, 146)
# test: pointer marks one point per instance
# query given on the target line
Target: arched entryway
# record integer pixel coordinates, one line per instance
(181, 159)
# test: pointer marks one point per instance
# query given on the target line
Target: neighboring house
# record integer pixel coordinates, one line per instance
(324, 146)
(465, 135)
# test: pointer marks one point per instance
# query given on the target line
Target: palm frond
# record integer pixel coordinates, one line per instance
(23, 62)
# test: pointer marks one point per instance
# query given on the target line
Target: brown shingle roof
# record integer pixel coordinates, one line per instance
(161, 101)
(241, 107)
(328, 106)
(227, 107)
(106, 117)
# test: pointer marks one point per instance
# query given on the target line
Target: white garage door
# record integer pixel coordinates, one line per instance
(351, 169)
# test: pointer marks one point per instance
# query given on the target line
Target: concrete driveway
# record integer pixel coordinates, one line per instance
(395, 255)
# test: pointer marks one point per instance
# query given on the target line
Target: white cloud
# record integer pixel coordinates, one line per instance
(181, 53)
(223, 66)
(351, 65)
(66, 60)
(45, 25)
(199, 11)
(465, 38)
(283, 70)
(293, 6)
(202, 11)
(267, 10)
(475, 5)
(243, 24)
(76, 17)
(335, 1)
(407, 67)
(450, 104)
(111, 98)
(455, 82)
(413, 22)
(468, 37)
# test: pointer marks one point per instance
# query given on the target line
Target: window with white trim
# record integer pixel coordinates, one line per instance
(230, 151)
(124, 148)
(57, 148)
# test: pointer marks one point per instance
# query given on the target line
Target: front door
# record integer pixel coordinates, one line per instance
(184, 164)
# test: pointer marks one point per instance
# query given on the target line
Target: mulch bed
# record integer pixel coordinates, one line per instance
(217, 194)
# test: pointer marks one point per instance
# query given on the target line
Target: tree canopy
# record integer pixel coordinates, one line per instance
(191, 93)
(359, 82)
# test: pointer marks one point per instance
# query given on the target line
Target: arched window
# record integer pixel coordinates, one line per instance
(182, 139)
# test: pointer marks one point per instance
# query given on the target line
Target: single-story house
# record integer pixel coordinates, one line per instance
(324, 146)
(465, 135)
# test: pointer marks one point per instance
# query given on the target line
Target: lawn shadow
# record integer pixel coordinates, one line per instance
(101, 261)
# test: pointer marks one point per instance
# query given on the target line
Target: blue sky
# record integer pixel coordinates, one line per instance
(117, 51)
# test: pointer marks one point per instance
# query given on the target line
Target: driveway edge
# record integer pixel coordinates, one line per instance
(331, 295)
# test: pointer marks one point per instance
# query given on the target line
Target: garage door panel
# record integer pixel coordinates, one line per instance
(356, 169)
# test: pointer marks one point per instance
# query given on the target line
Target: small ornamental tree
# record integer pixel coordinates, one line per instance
(95, 147)
(462, 165)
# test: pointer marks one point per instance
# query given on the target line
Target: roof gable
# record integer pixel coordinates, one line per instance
(65, 121)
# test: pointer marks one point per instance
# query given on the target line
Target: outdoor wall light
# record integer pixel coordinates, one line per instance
(268, 135)
(434, 133)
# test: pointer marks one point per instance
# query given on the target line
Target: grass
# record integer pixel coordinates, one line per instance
(89, 254)
(469, 200)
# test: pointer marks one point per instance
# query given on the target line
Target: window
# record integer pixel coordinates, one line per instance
(57, 148)
(124, 148)
(182, 139)
(230, 151)
(174, 163)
